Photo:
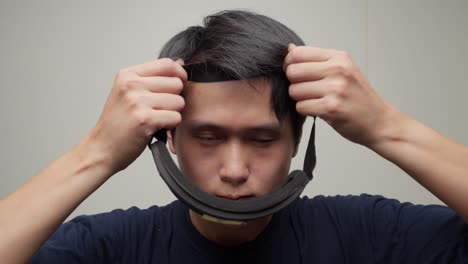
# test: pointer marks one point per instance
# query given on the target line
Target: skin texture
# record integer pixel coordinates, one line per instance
(144, 98)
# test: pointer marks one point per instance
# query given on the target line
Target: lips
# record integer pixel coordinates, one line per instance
(235, 197)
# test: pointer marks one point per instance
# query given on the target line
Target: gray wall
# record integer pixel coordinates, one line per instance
(59, 58)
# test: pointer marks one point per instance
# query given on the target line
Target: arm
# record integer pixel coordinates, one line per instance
(436, 162)
(327, 84)
(36, 209)
(144, 98)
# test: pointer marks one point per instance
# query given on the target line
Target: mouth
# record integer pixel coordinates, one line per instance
(235, 197)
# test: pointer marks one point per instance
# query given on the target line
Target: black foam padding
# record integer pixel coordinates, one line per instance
(241, 210)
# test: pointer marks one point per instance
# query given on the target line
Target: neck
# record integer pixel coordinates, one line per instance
(229, 235)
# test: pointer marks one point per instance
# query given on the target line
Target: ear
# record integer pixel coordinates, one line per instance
(170, 141)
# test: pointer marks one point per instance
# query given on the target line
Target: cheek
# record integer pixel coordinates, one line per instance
(198, 167)
(272, 169)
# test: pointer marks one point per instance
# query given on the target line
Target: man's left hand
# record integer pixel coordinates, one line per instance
(327, 84)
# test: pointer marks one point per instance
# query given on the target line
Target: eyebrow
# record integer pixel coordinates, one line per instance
(198, 125)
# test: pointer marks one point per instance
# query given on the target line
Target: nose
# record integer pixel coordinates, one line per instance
(234, 168)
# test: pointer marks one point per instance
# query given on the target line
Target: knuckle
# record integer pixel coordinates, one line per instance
(126, 82)
(167, 64)
(181, 102)
(177, 117)
(346, 61)
(299, 107)
(177, 103)
(165, 61)
(291, 71)
(332, 106)
(343, 69)
(338, 85)
(121, 73)
(132, 83)
(295, 54)
(171, 119)
(178, 85)
(297, 91)
(132, 100)
(121, 76)
(292, 91)
(344, 54)
(122, 89)
(338, 68)
(141, 118)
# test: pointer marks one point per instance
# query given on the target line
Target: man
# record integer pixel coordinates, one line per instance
(235, 139)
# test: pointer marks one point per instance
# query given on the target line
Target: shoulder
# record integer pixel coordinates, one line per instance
(106, 236)
(118, 222)
(381, 225)
(361, 202)
(375, 208)
(124, 216)
(345, 203)
(347, 199)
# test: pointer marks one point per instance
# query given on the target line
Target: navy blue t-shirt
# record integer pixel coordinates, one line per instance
(342, 229)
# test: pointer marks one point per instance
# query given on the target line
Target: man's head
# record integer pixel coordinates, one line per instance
(245, 45)
(236, 138)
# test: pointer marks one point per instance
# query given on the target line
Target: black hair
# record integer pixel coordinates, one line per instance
(244, 45)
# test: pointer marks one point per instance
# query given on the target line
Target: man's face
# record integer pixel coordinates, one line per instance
(230, 142)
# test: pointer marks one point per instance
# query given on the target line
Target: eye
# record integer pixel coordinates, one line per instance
(207, 137)
(263, 137)
(263, 141)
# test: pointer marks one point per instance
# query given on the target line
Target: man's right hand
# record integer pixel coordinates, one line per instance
(143, 99)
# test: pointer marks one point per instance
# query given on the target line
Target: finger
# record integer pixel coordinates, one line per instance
(299, 54)
(165, 119)
(160, 67)
(312, 107)
(161, 84)
(165, 101)
(306, 71)
(307, 90)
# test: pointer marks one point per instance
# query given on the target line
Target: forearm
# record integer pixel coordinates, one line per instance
(436, 162)
(33, 212)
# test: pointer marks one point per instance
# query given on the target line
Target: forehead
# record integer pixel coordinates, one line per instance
(229, 101)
